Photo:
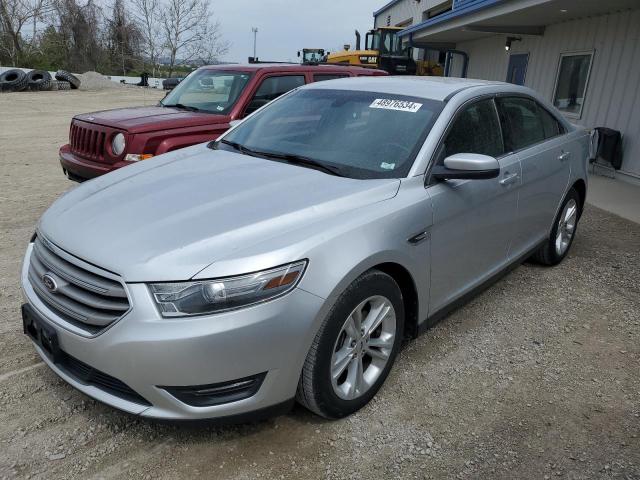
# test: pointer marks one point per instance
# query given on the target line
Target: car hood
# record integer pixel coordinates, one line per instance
(168, 218)
(149, 119)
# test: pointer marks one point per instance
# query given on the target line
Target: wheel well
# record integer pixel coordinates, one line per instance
(409, 295)
(581, 188)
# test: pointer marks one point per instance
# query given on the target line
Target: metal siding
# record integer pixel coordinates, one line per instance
(405, 10)
(612, 98)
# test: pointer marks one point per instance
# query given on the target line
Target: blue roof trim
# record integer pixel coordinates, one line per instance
(460, 9)
(387, 6)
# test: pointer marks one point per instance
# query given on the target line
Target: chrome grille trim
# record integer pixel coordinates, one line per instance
(86, 297)
(74, 274)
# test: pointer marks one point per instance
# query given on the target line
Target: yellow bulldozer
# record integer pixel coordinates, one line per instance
(383, 49)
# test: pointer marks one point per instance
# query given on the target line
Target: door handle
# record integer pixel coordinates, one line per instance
(509, 179)
(563, 156)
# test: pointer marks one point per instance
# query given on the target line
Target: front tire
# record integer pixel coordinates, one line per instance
(354, 349)
(563, 232)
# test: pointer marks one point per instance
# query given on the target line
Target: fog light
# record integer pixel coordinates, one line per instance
(218, 393)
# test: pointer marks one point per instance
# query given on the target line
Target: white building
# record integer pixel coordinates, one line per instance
(583, 55)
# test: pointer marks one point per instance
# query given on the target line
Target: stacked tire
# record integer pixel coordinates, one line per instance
(72, 80)
(39, 80)
(60, 85)
(16, 80)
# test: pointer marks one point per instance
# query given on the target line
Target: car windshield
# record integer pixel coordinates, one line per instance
(212, 91)
(359, 134)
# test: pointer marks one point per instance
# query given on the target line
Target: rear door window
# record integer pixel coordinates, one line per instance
(271, 88)
(320, 77)
(551, 126)
(475, 130)
(521, 122)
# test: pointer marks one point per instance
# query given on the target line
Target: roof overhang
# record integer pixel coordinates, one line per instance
(482, 18)
(385, 7)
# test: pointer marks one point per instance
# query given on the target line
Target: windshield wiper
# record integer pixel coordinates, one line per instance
(182, 106)
(304, 162)
(287, 157)
(241, 148)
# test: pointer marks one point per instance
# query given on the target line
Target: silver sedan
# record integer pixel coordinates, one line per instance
(289, 258)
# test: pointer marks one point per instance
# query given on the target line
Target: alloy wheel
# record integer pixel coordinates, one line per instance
(363, 347)
(566, 226)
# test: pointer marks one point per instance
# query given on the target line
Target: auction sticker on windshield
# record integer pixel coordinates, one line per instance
(391, 104)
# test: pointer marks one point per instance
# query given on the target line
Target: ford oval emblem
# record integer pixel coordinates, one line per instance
(49, 282)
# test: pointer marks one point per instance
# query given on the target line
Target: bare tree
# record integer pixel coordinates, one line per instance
(212, 46)
(147, 15)
(83, 35)
(124, 37)
(14, 15)
(189, 31)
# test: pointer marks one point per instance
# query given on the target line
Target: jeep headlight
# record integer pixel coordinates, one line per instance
(178, 299)
(117, 144)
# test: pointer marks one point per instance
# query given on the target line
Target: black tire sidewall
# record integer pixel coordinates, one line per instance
(369, 284)
(17, 84)
(39, 84)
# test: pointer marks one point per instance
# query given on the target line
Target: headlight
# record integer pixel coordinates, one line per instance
(118, 144)
(218, 295)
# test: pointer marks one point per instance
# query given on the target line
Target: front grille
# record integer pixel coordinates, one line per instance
(81, 297)
(87, 375)
(87, 142)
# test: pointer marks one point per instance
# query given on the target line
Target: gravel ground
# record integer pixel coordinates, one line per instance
(538, 377)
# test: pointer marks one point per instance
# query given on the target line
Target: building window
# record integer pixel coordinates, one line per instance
(439, 9)
(405, 23)
(571, 82)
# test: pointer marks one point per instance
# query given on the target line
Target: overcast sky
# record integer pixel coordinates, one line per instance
(284, 27)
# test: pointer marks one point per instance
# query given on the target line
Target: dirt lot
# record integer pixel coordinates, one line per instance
(539, 377)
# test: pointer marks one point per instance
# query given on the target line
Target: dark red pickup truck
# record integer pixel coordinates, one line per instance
(198, 110)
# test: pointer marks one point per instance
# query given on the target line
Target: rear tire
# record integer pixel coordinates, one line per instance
(346, 366)
(557, 246)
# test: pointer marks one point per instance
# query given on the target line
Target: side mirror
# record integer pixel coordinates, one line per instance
(298, 53)
(467, 166)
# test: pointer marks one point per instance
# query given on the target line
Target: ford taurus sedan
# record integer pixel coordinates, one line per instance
(288, 259)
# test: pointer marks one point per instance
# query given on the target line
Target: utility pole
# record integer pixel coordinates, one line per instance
(255, 34)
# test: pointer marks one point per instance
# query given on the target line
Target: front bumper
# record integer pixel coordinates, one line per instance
(145, 351)
(80, 169)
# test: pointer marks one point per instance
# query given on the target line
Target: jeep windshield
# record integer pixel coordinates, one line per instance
(210, 91)
(358, 134)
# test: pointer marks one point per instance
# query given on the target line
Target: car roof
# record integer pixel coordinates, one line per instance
(434, 88)
(292, 67)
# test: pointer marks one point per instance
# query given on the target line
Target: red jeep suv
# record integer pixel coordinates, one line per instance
(197, 110)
